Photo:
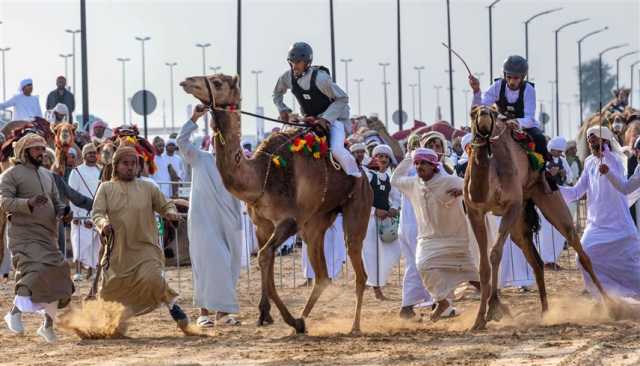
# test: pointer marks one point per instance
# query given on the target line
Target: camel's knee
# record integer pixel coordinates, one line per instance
(265, 256)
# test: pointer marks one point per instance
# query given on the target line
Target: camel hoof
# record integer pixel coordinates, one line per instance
(264, 320)
(300, 326)
(495, 313)
(479, 325)
(355, 332)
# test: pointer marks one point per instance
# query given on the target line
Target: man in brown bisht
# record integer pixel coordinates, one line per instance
(29, 195)
(124, 210)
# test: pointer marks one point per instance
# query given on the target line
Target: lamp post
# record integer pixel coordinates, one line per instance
(419, 70)
(346, 73)
(73, 52)
(580, 66)
(600, 69)
(123, 61)
(4, 73)
(618, 66)
(358, 81)
(215, 68)
(66, 63)
(384, 84)
(556, 64)
(631, 85)
(438, 113)
(204, 46)
(451, 105)
(552, 96)
(257, 74)
(144, 85)
(171, 65)
(526, 28)
(466, 101)
(490, 39)
(413, 100)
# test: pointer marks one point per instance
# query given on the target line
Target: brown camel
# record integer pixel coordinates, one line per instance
(304, 196)
(499, 179)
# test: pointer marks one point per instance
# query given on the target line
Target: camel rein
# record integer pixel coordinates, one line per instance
(487, 139)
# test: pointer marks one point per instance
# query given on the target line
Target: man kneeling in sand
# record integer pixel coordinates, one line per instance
(442, 255)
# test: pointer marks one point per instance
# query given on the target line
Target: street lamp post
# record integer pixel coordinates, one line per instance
(215, 69)
(4, 73)
(554, 118)
(66, 63)
(73, 52)
(618, 66)
(631, 85)
(123, 61)
(490, 39)
(419, 70)
(384, 84)
(451, 105)
(600, 70)
(171, 65)
(257, 74)
(466, 101)
(358, 81)
(413, 100)
(580, 66)
(346, 73)
(526, 28)
(144, 86)
(438, 113)
(204, 46)
(556, 64)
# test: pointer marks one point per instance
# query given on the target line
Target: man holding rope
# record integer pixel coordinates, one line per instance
(322, 101)
(124, 210)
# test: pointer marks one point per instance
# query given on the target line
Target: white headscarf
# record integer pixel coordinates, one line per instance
(606, 134)
(436, 135)
(385, 150)
(466, 140)
(358, 147)
(557, 143)
(23, 83)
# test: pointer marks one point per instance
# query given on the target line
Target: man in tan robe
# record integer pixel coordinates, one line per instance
(124, 209)
(29, 195)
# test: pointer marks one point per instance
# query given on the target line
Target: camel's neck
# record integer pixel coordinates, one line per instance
(238, 173)
(479, 174)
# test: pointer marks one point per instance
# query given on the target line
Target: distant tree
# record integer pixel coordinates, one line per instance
(590, 85)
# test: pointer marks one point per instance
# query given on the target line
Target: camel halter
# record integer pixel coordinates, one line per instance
(487, 139)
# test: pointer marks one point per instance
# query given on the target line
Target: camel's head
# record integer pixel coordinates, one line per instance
(483, 119)
(617, 122)
(224, 88)
(65, 134)
(622, 95)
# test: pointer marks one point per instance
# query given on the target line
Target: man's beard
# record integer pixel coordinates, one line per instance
(34, 161)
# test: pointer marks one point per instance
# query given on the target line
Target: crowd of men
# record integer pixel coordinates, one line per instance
(417, 210)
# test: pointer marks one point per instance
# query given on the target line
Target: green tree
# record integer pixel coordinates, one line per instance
(590, 85)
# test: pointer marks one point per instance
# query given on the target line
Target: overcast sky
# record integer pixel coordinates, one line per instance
(365, 32)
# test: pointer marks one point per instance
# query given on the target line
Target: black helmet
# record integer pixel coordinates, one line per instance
(300, 51)
(515, 65)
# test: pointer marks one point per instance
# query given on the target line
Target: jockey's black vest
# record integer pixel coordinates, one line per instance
(312, 102)
(381, 191)
(511, 110)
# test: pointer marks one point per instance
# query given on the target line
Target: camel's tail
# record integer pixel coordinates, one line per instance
(531, 217)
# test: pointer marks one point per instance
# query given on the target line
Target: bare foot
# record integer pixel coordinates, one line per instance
(379, 295)
(440, 308)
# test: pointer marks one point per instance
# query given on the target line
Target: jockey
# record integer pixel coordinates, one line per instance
(515, 98)
(319, 97)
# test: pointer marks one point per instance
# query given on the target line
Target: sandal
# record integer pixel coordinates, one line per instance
(204, 322)
(228, 320)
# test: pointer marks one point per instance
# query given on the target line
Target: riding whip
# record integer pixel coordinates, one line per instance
(459, 57)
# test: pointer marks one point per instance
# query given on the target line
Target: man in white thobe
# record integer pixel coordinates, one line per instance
(443, 256)
(215, 233)
(170, 168)
(335, 252)
(85, 240)
(25, 106)
(610, 237)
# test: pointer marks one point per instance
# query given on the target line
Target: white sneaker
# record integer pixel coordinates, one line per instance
(47, 334)
(77, 277)
(14, 322)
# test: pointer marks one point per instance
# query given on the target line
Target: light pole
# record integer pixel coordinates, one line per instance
(419, 70)
(600, 70)
(466, 102)
(73, 52)
(526, 28)
(413, 100)
(490, 39)
(257, 74)
(438, 113)
(618, 66)
(346, 73)
(204, 46)
(4, 73)
(400, 110)
(580, 65)
(123, 61)
(631, 85)
(66, 63)
(144, 85)
(384, 84)
(554, 117)
(171, 65)
(358, 81)
(451, 106)
(215, 69)
(556, 64)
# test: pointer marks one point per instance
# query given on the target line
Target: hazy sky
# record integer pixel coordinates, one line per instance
(365, 32)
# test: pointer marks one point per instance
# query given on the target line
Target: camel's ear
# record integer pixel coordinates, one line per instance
(235, 82)
(74, 127)
(474, 111)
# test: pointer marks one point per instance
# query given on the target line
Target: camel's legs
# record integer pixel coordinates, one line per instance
(263, 233)
(557, 213)
(313, 235)
(476, 219)
(520, 234)
(508, 220)
(355, 220)
(266, 257)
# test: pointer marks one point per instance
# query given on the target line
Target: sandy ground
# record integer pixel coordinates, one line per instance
(573, 333)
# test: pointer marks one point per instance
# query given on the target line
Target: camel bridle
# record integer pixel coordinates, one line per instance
(480, 139)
